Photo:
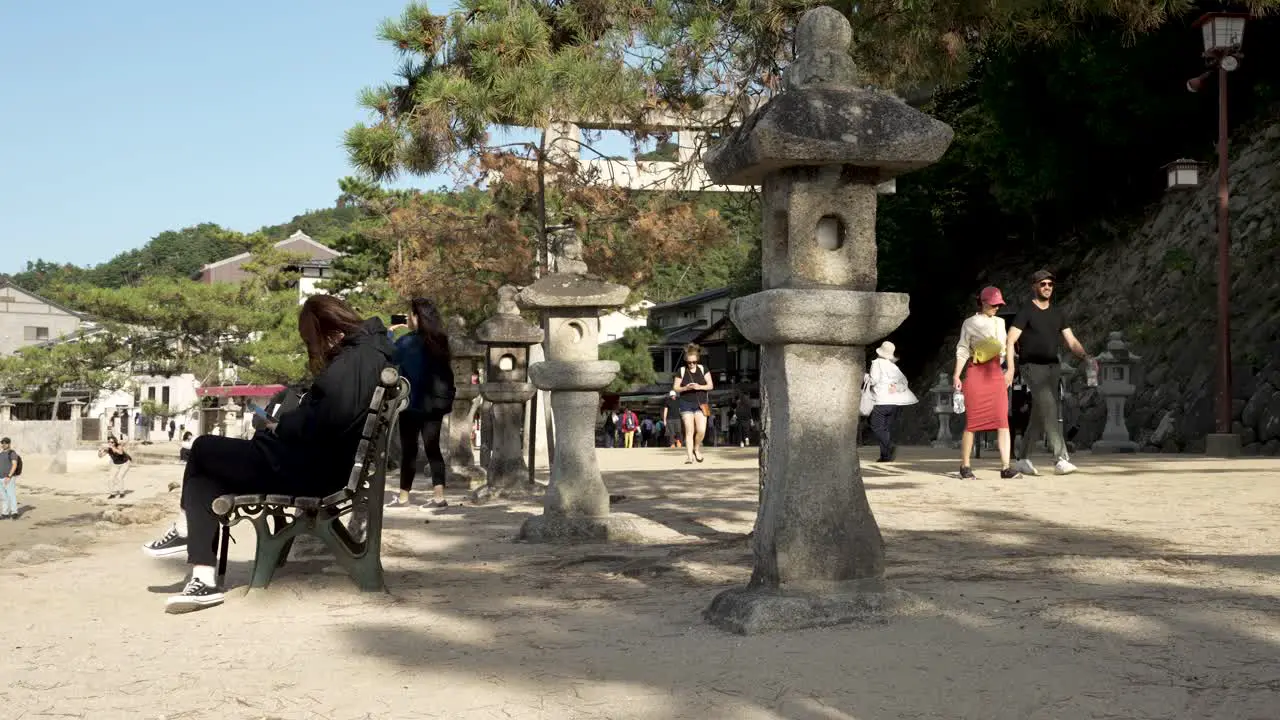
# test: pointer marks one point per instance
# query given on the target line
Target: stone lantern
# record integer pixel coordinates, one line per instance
(577, 502)
(465, 355)
(1115, 385)
(818, 149)
(507, 339)
(943, 396)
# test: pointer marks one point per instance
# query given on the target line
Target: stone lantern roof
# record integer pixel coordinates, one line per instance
(823, 118)
(506, 327)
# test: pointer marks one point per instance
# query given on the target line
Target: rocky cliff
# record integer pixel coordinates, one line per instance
(1158, 287)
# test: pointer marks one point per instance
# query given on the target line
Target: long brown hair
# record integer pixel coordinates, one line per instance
(322, 322)
(431, 329)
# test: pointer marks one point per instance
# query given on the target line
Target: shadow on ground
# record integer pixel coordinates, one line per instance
(1007, 611)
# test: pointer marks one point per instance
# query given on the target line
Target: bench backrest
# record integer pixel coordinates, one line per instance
(368, 474)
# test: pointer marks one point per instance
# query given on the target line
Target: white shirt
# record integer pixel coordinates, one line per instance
(978, 327)
(888, 385)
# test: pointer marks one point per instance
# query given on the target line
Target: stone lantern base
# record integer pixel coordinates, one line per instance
(758, 610)
(1107, 447)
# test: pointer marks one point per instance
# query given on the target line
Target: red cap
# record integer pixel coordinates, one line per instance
(991, 296)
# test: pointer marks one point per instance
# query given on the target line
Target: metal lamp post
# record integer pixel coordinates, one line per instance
(1223, 37)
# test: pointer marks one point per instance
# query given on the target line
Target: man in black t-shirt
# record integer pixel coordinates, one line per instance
(1037, 332)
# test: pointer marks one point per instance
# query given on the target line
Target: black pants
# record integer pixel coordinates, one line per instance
(218, 466)
(415, 423)
(881, 422)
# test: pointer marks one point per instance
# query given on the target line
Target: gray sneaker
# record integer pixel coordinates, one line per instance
(1025, 467)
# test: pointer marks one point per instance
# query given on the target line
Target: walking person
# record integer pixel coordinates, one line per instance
(630, 424)
(694, 385)
(307, 451)
(671, 419)
(1038, 329)
(173, 428)
(121, 462)
(423, 357)
(646, 432)
(890, 392)
(982, 346)
(10, 469)
(610, 428)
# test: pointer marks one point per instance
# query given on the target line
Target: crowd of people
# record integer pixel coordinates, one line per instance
(686, 420)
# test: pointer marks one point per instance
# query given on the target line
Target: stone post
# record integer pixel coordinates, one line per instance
(818, 149)
(576, 506)
(507, 338)
(6, 411)
(942, 393)
(77, 424)
(1116, 387)
(465, 354)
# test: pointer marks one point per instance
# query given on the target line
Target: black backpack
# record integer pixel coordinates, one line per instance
(16, 459)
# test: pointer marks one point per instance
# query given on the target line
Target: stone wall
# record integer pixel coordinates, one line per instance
(1159, 288)
(39, 437)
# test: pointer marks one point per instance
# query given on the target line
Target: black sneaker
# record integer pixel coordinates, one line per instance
(170, 544)
(195, 596)
(1010, 474)
(434, 504)
(966, 473)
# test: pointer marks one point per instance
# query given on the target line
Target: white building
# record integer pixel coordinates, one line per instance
(613, 325)
(28, 319)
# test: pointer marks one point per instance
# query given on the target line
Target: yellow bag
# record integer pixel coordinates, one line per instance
(986, 350)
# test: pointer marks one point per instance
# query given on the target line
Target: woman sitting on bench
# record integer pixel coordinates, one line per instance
(308, 451)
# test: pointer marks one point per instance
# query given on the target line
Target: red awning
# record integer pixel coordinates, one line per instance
(239, 390)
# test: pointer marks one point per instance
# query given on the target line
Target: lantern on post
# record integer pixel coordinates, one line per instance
(943, 397)
(1223, 34)
(1116, 387)
(1183, 173)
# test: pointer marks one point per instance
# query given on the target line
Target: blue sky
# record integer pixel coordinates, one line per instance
(119, 120)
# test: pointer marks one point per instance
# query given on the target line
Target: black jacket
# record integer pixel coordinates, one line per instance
(430, 381)
(315, 444)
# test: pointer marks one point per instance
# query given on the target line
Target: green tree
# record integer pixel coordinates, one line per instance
(522, 64)
(93, 362)
(631, 352)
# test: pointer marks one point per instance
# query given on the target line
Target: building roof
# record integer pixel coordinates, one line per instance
(6, 283)
(295, 237)
(697, 299)
(682, 334)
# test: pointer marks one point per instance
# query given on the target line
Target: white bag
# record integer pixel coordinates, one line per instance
(868, 403)
(957, 403)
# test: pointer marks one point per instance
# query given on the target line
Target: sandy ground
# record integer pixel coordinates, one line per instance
(1140, 588)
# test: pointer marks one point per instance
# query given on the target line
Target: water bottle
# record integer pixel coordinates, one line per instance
(1091, 372)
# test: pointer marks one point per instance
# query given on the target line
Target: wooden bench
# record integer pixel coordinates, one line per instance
(356, 546)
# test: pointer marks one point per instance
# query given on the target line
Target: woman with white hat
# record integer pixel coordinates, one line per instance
(890, 392)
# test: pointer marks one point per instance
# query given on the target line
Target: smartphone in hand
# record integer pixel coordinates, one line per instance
(399, 319)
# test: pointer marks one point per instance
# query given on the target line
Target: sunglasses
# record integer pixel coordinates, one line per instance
(1046, 283)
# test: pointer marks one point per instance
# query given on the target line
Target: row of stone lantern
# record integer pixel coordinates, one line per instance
(1115, 385)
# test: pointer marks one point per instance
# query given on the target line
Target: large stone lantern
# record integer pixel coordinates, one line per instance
(943, 397)
(577, 502)
(465, 355)
(1116, 387)
(507, 339)
(818, 149)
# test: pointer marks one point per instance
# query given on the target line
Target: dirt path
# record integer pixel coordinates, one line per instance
(1140, 588)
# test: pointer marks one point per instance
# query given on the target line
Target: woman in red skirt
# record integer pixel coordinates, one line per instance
(986, 384)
